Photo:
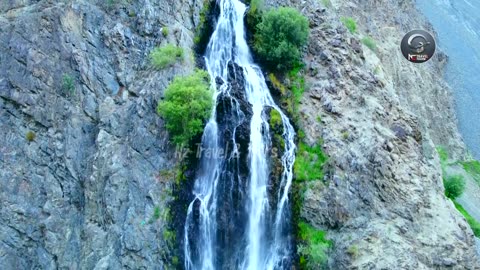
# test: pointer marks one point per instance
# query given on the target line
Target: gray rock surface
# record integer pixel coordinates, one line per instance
(381, 118)
(82, 193)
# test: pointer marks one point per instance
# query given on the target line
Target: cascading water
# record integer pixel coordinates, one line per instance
(233, 222)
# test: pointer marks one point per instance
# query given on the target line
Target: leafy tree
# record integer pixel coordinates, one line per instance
(187, 104)
(280, 36)
(454, 186)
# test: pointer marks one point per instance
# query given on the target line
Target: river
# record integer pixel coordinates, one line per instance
(457, 23)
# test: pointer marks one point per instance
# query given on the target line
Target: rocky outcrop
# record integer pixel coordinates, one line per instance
(382, 197)
(383, 200)
(87, 192)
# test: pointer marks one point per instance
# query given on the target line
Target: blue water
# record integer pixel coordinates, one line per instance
(457, 23)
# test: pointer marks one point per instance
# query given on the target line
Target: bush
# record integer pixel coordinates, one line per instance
(187, 104)
(350, 24)
(370, 43)
(454, 186)
(474, 224)
(309, 162)
(30, 136)
(280, 36)
(165, 31)
(68, 84)
(162, 57)
(313, 248)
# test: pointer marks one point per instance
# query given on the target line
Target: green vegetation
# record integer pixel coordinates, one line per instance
(187, 104)
(350, 24)
(370, 43)
(68, 85)
(345, 135)
(280, 36)
(169, 237)
(309, 162)
(162, 57)
(165, 31)
(472, 167)
(156, 213)
(275, 119)
(475, 225)
(442, 153)
(254, 14)
(30, 136)
(454, 186)
(200, 32)
(313, 248)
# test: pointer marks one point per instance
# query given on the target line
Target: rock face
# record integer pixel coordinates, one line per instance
(83, 193)
(382, 197)
(91, 189)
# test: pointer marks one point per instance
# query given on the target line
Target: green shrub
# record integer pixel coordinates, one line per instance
(309, 162)
(30, 136)
(162, 57)
(443, 154)
(165, 31)
(350, 24)
(474, 224)
(156, 213)
(280, 36)
(201, 34)
(313, 247)
(454, 186)
(370, 43)
(275, 119)
(68, 84)
(187, 104)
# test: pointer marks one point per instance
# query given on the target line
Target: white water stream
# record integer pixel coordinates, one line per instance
(265, 243)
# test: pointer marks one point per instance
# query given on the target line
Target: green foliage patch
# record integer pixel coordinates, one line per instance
(474, 224)
(350, 24)
(68, 84)
(313, 248)
(309, 162)
(472, 167)
(454, 186)
(165, 31)
(280, 36)
(30, 136)
(162, 57)
(187, 104)
(370, 43)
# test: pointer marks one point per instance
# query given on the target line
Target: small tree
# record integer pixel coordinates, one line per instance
(454, 186)
(280, 37)
(187, 104)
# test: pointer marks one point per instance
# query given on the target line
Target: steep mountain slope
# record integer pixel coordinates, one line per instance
(76, 74)
(382, 199)
(88, 193)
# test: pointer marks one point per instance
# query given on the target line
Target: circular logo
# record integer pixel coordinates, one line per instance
(418, 46)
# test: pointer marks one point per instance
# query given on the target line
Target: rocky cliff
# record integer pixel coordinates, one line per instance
(87, 191)
(380, 118)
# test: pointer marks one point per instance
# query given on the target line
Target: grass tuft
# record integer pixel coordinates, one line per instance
(350, 24)
(162, 57)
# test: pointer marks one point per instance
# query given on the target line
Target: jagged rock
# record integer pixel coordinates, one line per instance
(81, 194)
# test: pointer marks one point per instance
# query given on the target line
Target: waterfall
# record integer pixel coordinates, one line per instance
(233, 222)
